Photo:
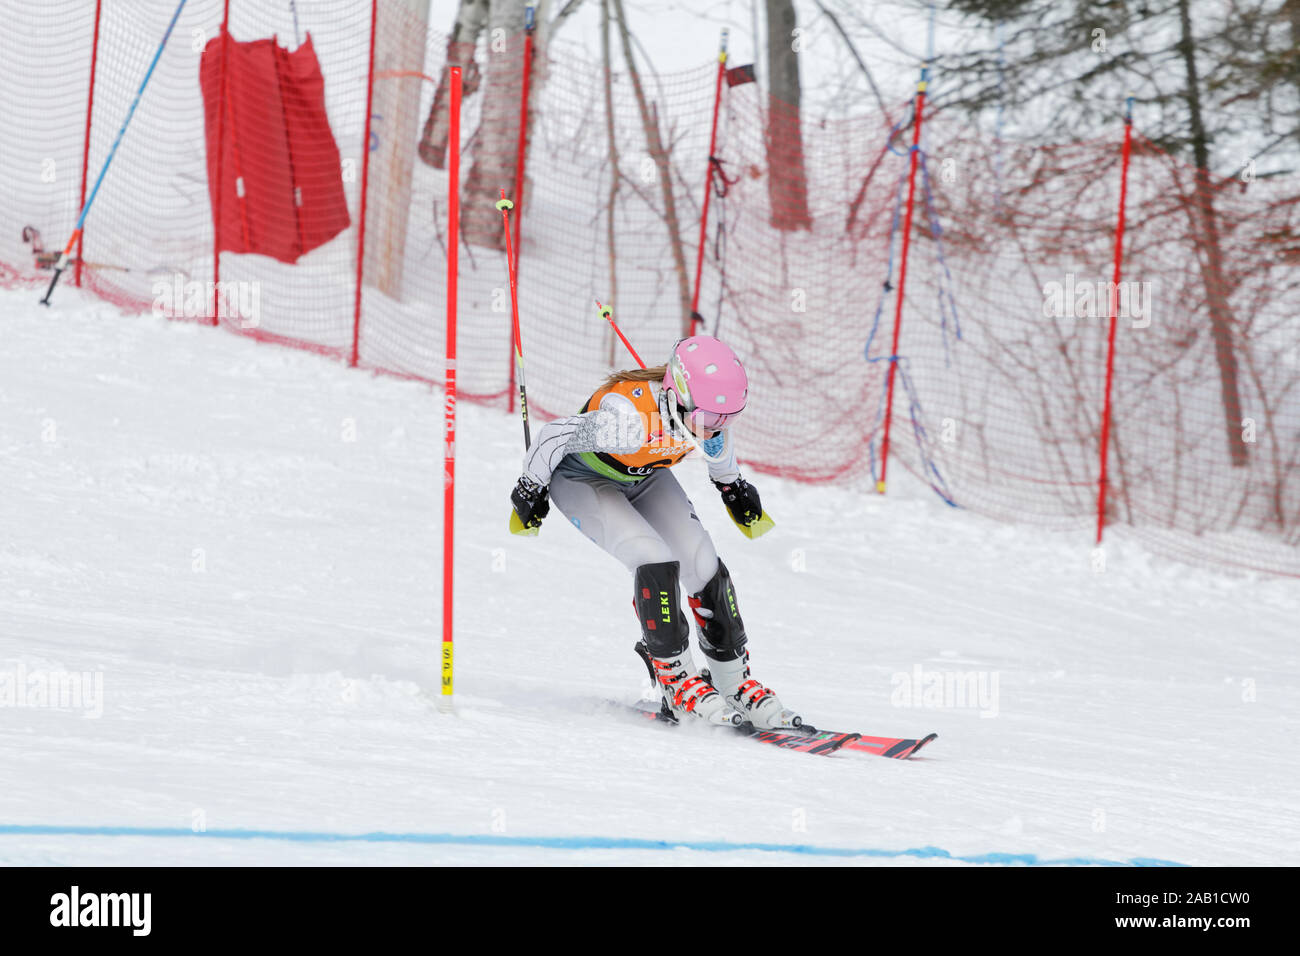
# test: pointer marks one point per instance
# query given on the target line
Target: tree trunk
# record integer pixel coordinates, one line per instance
(496, 139)
(1221, 320)
(787, 182)
(496, 146)
(1292, 9)
(399, 48)
(659, 154)
(470, 20)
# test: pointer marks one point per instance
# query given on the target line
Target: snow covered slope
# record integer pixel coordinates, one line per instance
(240, 545)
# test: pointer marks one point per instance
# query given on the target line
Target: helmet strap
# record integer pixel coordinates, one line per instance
(679, 428)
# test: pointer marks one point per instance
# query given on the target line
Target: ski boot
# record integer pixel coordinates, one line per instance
(758, 704)
(723, 640)
(665, 649)
(684, 693)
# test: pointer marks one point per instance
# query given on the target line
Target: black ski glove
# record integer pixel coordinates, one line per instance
(530, 502)
(741, 499)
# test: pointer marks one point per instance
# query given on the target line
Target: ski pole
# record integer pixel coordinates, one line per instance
(81, 219)
(505, 205)
(696, 318)
(607, 313)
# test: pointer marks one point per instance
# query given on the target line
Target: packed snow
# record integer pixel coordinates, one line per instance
(231, 552)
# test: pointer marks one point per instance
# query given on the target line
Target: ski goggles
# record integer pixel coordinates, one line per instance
(713, 421)
(703, 418)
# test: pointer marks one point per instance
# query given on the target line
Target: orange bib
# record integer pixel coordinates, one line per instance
(658, 448)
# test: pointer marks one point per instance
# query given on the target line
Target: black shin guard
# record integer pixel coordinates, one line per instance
(658, 605)
(722, 632)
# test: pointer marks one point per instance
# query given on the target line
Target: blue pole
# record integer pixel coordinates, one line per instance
(99, 180)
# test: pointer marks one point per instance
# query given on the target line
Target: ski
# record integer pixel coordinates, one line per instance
(900, 748)
(823, 743)
(809, 739)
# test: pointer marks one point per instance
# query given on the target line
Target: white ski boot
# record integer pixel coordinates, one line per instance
(722, 639)
(686, 694)
(758, 704)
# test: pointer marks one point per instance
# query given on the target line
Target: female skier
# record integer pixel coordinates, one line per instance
(606, 469)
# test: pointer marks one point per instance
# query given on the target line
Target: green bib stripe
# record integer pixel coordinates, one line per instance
(604, 464)
(594, 461)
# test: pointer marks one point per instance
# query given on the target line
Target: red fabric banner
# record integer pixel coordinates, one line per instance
(279, 182)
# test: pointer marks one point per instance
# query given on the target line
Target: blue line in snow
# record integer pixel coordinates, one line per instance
(567, 843)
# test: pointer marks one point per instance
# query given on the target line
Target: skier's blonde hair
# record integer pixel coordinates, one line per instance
(654, 374)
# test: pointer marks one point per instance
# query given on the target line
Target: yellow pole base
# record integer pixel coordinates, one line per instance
(880, 487)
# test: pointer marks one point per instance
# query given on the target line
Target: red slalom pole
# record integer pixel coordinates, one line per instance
(365, 185)
(608, 314)
(902, 277)
(85, 149)
(696, 318)
(449, 442)
(505, 205)
(222, 110)
(1114, 317)
(521, 150)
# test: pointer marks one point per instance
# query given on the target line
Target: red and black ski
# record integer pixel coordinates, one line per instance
(820, 742)
(809, 739)
(900, 748)
(804, 738)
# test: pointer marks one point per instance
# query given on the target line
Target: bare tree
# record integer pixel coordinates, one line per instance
(1048, 64)
(461, 42)
(495, 163)
(787, 180)
(496, 151)
(1212, 264)
(659, 154)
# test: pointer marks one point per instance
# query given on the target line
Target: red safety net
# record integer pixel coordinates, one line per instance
(1002, 350)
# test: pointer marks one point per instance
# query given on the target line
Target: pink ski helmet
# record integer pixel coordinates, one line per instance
(706, 381)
